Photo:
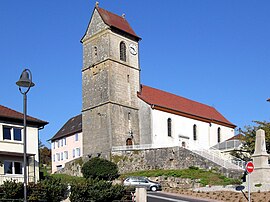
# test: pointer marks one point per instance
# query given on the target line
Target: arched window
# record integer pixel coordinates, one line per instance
(123, 51)
(218, 135)
(169, 123)
(129, 142)
(184, 144)
(194, 132)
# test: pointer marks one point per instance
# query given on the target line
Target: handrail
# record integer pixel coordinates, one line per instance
(226, 161)
(4, 178)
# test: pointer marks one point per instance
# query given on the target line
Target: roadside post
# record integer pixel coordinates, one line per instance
(249, 169)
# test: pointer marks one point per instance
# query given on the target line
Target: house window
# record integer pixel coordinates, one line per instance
(58, 143)
(17, 132)
(218, 135)
(169, 123)
(61, 142)
(73, 153)
(7, 167)
(58, 156)
(11, 167)
(65, 141)
(62, 157)
(10, 133)
(76, 137)
(66, 154)
(53, 143)
(123, 51)
(7, 133)
(194, 132)
(78, 151)
(54, 158)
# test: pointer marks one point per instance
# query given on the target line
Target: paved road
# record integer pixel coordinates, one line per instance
(162, 197)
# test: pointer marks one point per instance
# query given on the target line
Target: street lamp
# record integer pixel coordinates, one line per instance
(25, 83)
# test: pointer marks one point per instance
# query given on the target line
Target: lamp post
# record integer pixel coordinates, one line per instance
(25, 83)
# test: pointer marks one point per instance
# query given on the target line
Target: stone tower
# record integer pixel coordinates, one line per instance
(110, 82)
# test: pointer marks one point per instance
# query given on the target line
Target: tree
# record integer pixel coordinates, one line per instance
(249, 138)
(99, 168)
(44, 154)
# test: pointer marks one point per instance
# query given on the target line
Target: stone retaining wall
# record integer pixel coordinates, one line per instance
(166, 158)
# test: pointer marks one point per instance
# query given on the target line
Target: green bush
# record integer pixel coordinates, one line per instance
(11, 190)
(50, 189)
(100, 168)
(55, 190)
(95, 190)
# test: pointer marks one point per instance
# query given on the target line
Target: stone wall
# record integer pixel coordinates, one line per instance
(149, 159)
(165, 158)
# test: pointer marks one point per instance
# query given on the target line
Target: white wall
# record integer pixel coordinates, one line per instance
(70, 145)
(17, 146)
(182, 130)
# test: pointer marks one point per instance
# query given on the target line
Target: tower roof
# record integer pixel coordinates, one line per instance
(175, 104)
(116, 21)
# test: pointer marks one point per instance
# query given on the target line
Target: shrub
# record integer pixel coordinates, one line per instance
(55, 190)
(97, 191)
(12, 190)
(100, 168)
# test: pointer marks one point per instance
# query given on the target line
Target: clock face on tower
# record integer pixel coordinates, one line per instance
(132, 49)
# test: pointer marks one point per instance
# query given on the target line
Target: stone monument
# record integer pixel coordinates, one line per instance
(261, 173)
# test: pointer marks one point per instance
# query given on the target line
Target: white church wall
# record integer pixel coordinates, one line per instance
(182, 131)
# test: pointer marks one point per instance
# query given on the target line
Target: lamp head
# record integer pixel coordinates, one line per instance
(25, 80)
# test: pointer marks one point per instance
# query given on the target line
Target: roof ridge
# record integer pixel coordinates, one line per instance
(180, 96)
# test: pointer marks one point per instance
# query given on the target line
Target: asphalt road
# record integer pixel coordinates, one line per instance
(162, 197)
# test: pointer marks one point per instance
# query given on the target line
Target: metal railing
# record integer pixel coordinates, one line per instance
(134, 147)
(4, 178)
(228, 145)
(227, 161)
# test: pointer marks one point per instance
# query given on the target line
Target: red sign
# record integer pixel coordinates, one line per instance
(249, 167)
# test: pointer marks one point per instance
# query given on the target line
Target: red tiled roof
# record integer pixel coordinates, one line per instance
(10, 114)
(116, 21)
(236, 137)
(176, 104)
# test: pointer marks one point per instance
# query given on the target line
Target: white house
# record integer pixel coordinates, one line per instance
(11, 145)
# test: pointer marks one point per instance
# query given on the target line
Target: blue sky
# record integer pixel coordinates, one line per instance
(214, 52)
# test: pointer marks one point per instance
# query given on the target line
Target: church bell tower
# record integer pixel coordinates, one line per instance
(110, 82)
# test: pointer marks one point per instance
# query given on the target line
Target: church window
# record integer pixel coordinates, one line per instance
(129, 116)
(123, 51)
(218, 135)
(129, 142)
(95, 51)
(169, 123)
(194, 132)
(184, 144)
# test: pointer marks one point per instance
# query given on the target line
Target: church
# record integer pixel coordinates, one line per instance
(118, 112)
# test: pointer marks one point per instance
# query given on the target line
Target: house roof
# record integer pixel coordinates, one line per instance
(72, 126)
(168, 102)
(8, 114)
(237, 137)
